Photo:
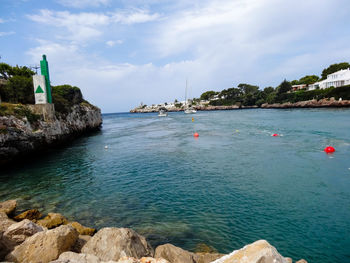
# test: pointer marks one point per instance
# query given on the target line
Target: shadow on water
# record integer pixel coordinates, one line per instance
(46, 154)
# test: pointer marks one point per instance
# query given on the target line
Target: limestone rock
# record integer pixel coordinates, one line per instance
(113, 243)
(153, 260)
(45, 246)
(71, 257)
(289, 260)
(258, 252)
(18, 232)
(5, 222)
(82, 230)
(81, 241)
(301, 261)
(128, 260)
(53, 220)
(22, 138)
(8, 207)
(207, 257)
(174, 254)
(32, 214)
(142, 260)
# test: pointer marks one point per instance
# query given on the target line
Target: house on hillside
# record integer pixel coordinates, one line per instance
(336, 79)
(299, 87)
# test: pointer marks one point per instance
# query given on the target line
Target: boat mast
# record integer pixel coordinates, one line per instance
(186, 93)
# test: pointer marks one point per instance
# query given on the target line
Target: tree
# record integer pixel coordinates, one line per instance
(208, 95)
(5, 71)
(20, 90)
(248, 89)
(284, 87)
(308, 79)
(334, 68)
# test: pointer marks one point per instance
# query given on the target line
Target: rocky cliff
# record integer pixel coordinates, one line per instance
(309, 104)
(20, 136)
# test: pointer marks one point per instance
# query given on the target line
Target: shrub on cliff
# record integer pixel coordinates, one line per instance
(65, 97)
(19, 111)
(19, 85)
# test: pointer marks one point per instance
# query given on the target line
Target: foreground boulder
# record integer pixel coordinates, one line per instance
(5, 222)
(53, 220)
(206, 257)
(71, 257)
(81, 241)
(8, 207)
(112, 243)
(44, 246)
(17, 233)
(82, 230)
(32, 214)
(258, 252)
(174, 254)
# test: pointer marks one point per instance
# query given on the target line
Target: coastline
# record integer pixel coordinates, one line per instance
(20, 137)
(30, 237)
(322, 103)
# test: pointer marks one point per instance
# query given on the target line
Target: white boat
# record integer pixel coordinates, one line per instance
(188, 109)
(162, 113)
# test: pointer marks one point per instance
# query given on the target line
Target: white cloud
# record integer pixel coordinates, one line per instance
(134, 16)
(110, 43)
(2, 21)
(85, 26)
(84, 3)
(216, 44)
(2, 34)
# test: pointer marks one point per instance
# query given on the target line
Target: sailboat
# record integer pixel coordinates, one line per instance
(188, 110)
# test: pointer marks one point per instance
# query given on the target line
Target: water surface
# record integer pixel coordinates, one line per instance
(233, 185)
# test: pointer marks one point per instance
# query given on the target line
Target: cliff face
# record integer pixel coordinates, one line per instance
(19, 137)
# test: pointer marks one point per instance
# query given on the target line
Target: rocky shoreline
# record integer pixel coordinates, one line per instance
(19, 137)
(287, 105)
(309, 104)
(198, 108)
(27, 237)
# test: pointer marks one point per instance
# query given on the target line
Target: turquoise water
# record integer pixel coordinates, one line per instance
(233, 185)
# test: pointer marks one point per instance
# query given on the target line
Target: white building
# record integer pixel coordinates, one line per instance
(336, 79)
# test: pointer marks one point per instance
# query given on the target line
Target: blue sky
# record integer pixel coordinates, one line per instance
(121, 53)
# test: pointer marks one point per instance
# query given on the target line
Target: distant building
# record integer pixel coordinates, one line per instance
(299, 87)
(336, 79)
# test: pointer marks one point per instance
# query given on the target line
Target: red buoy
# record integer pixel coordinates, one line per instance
(196, 134)
(275, 135)
(329, 149)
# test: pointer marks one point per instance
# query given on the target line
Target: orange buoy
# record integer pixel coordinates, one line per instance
(329, 149)
(275, 135)
(196, 134)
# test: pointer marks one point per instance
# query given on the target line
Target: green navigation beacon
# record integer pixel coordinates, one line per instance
(45, 72)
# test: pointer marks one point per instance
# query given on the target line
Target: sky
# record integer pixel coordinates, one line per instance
(124, 52)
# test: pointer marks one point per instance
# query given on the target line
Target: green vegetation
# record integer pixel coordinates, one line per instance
(208, 95)
(19, 84)
(16, 87)
(249, 95)
(65, 97)
(19, 111)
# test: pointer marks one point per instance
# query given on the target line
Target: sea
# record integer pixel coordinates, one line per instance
(231, 186)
